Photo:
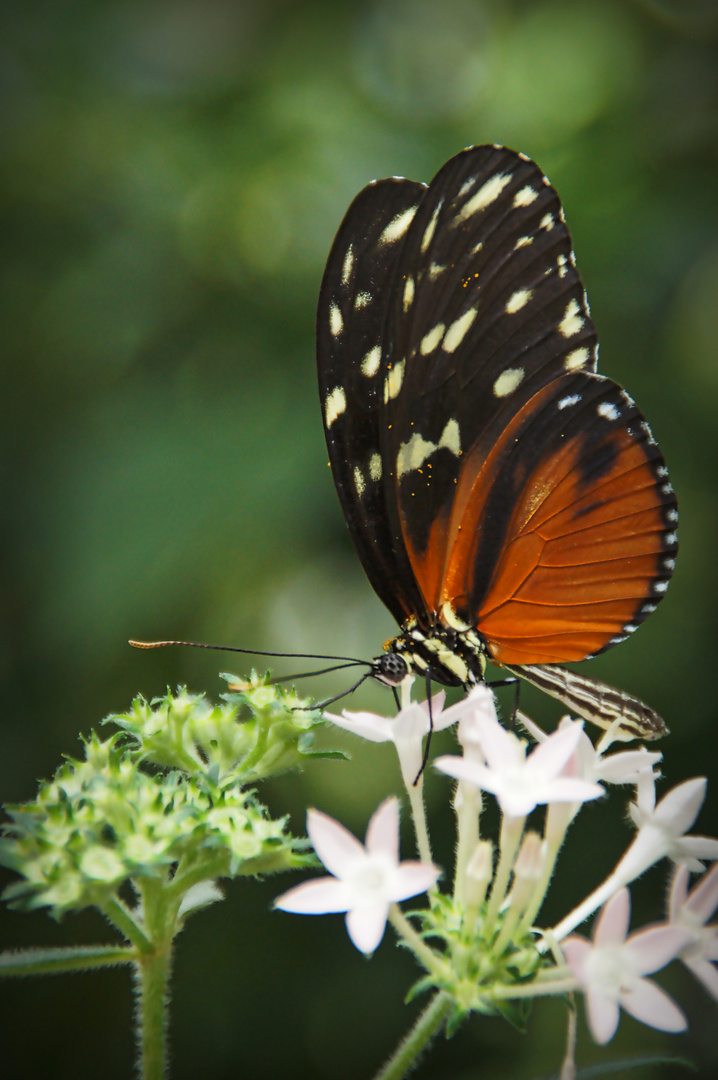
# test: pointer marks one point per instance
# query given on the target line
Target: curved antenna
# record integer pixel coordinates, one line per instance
(249, 652)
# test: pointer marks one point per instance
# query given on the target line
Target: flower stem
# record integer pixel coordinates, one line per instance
(418, 815)
(511, 830)
(421, 950)
(153, 977)
(424, 1030)
(121, 917)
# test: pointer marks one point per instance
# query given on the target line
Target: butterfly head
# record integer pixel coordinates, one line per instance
(444, 655)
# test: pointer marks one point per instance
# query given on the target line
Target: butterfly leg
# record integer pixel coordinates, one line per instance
(516, 683)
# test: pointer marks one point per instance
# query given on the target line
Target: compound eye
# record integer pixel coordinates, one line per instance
(392, 669)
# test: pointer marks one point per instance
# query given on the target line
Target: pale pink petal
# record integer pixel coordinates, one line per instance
(550, 757)
(382, 835)
(703, 901)
(691, 849)
(625, 766)
(577, 951)
(564, 789)
(366, 925)
(651, 1005)
(316, 897)
(679, 892)
(502, 748)
(705, 973)
(334, 844)
(461, 769)
(650, 950)
(602, 1012)
(680, 807)
(368, 725)
(441, 720)
(413, 878)
(612, 924)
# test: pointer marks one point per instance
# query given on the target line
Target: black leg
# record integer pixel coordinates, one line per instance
(516, 683)
(427, 747)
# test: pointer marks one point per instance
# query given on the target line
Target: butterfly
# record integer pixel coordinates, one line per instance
(507, 502)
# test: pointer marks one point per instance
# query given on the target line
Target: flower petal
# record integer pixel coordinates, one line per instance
(382, 835)
(316, 897)
(612, 923)
(651, 1005)
(413, 878)
(551, 756)
(705, 973)
(368, 725)
(602, 1013)
(679, 808)
(577, 952)
(651, 949)
(366, 925)
(334, 844)
(703, 900)
(679, 892)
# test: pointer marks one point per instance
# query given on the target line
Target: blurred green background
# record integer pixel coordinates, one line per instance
(172, 175)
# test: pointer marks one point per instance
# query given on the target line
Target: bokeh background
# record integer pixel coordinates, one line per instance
(172, 175)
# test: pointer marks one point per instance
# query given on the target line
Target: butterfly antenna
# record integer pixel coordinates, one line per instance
(322, 671)
(249, 652)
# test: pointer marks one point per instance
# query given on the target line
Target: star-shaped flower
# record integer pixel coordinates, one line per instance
(611, 971)
(365, 880)
(691, 911)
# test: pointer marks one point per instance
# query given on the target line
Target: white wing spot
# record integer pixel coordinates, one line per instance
(458, 330)
(451, 438)
(570, 399)
(523, 241)
(562, 271)
(547, 222)
(670, 564)
(671, 539)
(432, 339)
(370, 363)
(362, 299)
(393, 381)
(648, 609)
(430, 228)
(667, 488)
(359, 482)
(607, 410)
(525, 197)
(334, 406)
(486, 194)
(375, 467)
(576, 359)
(672, 514)
(660, 586)
(508, 381)
(413, 454)
(572, 320)
(435, 270)
(477, 247)
(397, 227)
(408, 293)
(347, 265)
(336, 323)
(627, 398)
(517, 301)
(661, 470)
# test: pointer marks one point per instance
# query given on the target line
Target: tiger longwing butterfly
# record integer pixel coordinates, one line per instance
(506, 501)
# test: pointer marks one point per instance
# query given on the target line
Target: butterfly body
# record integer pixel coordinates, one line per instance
(508, 503)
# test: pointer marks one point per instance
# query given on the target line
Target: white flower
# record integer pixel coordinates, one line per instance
(691, 911)
(520, 782)
(365, 881)
(406, 730)
(661, 830)
(610, 971)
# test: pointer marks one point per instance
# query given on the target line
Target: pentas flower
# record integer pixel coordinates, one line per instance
(611, 971)
(691, 911)
(662, 828)
(406, 730)
(519, 781)
(365, 880)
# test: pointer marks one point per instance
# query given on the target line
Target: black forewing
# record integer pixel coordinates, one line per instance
(495, 310)
(354, 348)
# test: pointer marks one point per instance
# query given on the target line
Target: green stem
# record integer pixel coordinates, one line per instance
(511, 831)
(153, 978)
(75, 958)
(121, 917)
(421, 950)
(424, 1030)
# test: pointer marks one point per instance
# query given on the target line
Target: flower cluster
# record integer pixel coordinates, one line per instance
(163, 800)
(480, 944)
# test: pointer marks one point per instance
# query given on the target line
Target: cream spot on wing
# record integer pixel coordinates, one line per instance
(486, 194)
(334, 405)
(408, 293)
(525, 197)
(432, 339)
(458, 330)
(451, 438)
(370, 363)
(477, 247)
(347, 265)
(393, 381)
(413, 454)
(435, 270)
(576, 359)
(430, 228)
(336, 323)
(572, 320)
(517, 301)
(607, 410)
(523, 241)
(507, 381)
(397, 227)
(547, 222)
(570, 399)
(375, 467)
(359, 482)
(362, 299)
(562, 271)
